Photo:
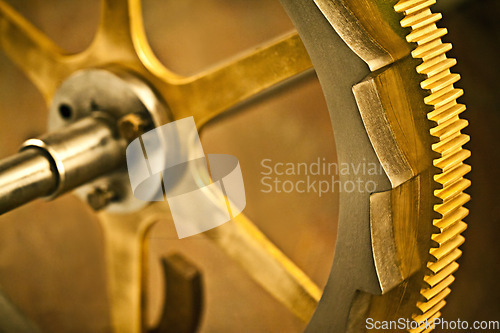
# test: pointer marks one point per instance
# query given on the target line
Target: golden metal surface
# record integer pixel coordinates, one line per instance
(391, 105)
(239, 239)
(369, 28)
(412, 122)
(441, 96)
(267, 265)
(120, 39)
(409, 110)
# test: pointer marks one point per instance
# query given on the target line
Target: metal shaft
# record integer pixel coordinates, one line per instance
(25, 177)
(59, 162)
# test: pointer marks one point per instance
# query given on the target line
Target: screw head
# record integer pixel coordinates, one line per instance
(100, 197)
(132, 125)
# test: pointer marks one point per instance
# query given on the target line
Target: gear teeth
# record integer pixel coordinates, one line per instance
(440, 81)
(451, 176)
(452, 205)
(409, 7)
(445, 249)
(436, 65)
(450, 233)
(429, 313)
(450, 128)
(426, 306)
(446, 163)
(440, 264)
(434, 279)
(430, 293)
(448, 146)
(420, 50)
(433, 35)
(424, 329)
(418, 34)
(421, 20)
(446, 112)
(412, 19)
(450, 219)
(449, 192)
(442, 96)
(428, 51)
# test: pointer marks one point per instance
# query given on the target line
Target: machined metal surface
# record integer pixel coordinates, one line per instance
(25, 177)
(339, 68)
(203, 96)
(81, 152)
(383, 110)
(91, 121)
(395, 113)
(60, 161)
(119, 96)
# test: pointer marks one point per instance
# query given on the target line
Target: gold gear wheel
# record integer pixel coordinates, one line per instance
(392, 112)
(442, 96)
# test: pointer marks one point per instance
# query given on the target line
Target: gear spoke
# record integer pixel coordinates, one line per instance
(125, 255)
(208, 94)
(240, 239)
(38, 56)
(267, 265)
(121, 39)
(115, 28)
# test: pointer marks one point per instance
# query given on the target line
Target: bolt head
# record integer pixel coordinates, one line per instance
(100, 197)
(132, 125)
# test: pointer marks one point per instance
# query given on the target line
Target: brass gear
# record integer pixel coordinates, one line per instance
(442, 96)
(423, 184)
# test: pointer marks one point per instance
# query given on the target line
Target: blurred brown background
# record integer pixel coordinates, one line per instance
(51, 260)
